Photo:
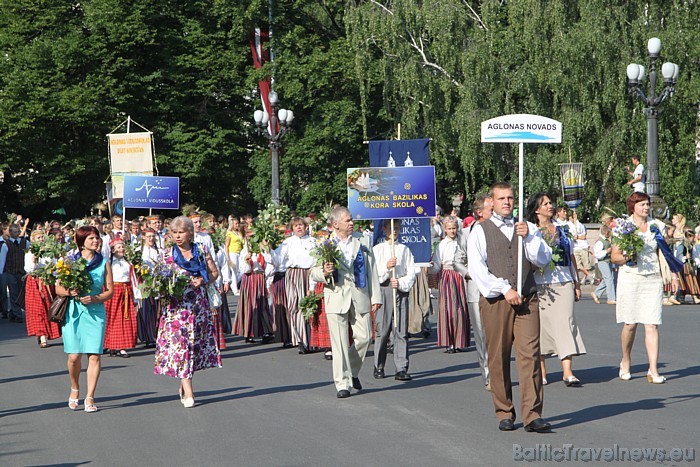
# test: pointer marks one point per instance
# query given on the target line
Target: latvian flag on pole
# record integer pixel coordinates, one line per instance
(261, 55)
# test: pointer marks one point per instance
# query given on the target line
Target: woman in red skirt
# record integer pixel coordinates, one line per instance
(320, 336)
(37, 299)
(120, 333)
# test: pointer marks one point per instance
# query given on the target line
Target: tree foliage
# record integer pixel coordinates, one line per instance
(350, 71)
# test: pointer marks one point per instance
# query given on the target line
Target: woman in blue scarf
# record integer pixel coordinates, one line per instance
(186, 333)
(557, 289)
(640, 286)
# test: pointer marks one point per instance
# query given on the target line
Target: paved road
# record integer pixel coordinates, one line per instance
(269, 406)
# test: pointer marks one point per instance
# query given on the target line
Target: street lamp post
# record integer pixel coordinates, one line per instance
(652, 101)
(283, 118)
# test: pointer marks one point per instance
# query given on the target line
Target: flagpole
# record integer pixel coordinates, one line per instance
(520, 215)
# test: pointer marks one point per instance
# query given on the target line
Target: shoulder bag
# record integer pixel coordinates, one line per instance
(58, 308)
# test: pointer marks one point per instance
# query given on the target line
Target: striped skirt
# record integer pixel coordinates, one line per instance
(297, 286)
(279, 306)
(320, 335)
(253, 315)
(453, 318)
(120, 333)
(219, 325)
(37, 300)
(147, 322)
(688, 283)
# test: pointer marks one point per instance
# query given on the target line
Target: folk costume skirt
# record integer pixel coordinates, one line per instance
(253, 315)
(147, 320)
(297, 286)
(320, 335)
(279, 299)
(453, 317)
(37, 300)
(121, 318)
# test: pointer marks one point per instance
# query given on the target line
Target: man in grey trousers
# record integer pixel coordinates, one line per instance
(482, 207)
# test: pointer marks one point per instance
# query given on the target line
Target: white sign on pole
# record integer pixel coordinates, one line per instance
(521, 128)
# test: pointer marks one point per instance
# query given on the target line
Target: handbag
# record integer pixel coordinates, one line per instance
(58, 308)
(213, 296)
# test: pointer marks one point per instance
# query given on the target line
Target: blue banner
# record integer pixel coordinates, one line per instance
(391, 192)
(415, 232)
(142, 191)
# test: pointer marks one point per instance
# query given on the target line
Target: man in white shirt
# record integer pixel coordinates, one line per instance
(581, 248)
(509, 318)
(401, 261)
(638, 175)
(482, 208)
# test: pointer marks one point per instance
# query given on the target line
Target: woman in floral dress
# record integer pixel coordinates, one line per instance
(186, 334)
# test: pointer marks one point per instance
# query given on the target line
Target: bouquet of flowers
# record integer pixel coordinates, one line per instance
(627, 239)
(554, 242)
(164, 280)
(265, 237)
(132, 253)
(327, 251)
(275, 215)
(72, 274)
(49, 248)
(218, 238)
(308, 306)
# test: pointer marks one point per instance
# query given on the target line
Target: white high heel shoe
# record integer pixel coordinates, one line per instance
(188, 402)
(655, 379)
(624, 376)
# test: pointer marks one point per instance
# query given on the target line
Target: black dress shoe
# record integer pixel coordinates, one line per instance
(343, 393)
(302, 349)
(356, 384)
(450, 350)
(287, 345)
(379, 373)
(112, 353)
(538, 425)
(506, 425)
(249, 340)
(267, 338)
(328, 355)
(402, 376)
(123, 354)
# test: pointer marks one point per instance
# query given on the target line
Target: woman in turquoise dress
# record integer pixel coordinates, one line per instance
(84, 327)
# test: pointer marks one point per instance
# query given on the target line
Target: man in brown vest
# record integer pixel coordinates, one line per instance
(510, 319)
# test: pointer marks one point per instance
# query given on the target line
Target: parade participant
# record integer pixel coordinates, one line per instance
(394, 290)
(482, 208)
(509, 318)
(253, 315)
(84, 327)
(156, 224)
(96, 222)
(453, 317)
(37, 298)
(120, 333)
(296, 254)
(350, 293)
(14, 270)
(234, 245)
(117, 229)
(149, 308)
(581, 251)
(200, 236)
(601, 250)
(134, 232)
(640, 286)
(278, 299)
(685, 253)
(222, 285)
(678, 222)
(557, 290)
(562, 217)
(186, 339)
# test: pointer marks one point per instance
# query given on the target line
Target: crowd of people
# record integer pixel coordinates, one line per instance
(330, 290)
